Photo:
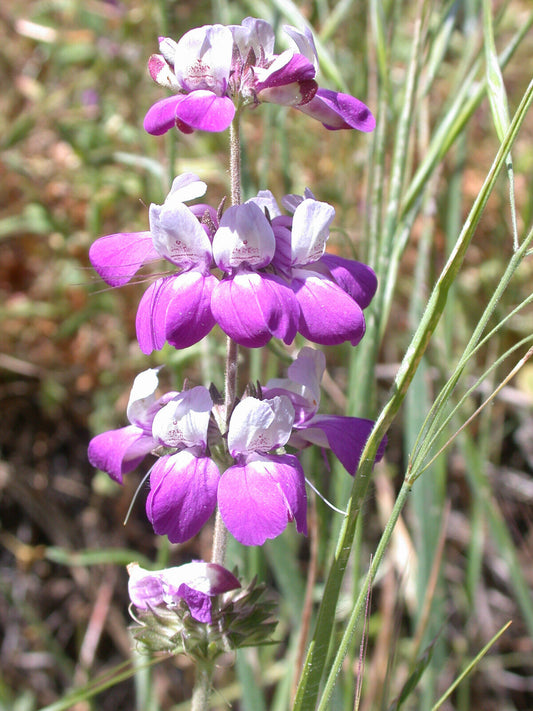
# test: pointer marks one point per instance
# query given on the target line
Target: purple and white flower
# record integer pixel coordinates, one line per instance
(183, 485)
(195, 583)
(120, 451)
(175, 308)
(276, 278)
(345, 436)
(216, 70)
(251, 304)
(262, 491)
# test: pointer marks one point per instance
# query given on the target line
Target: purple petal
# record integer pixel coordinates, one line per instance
(251, 308)
(151, 315)
(336, 111)
(328, 316)
(118, 452)
(161, 117)
(345, 436)
(204, 111)
(286, 69)
(117, 257)
(145, 588)
(199, 603)
(183, 495)
(259, 498)
(355, 278)
(188, 318)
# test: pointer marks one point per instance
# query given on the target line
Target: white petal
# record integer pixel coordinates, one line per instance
(202, 59)
(183, 421)
(304, 42)
(244, 237)
(310, 230)
(177, 234)
(266, 199)
(187, 186)
(142, 396)
(260, 425)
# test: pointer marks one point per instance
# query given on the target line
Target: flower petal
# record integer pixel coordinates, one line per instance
(245, 237)
(161, 117)
(355, 278)
(142, 400)
(151, 315)
(258, 499)
(118, 452)
(187, 186)
(253, 34)
(304, 42)
(251, 308)
(260, 425)
(345, 436)
(336, 111)
(199, 603)
(194, 582)
(287, 68)
(183, 421)
(117, 257)
(178, 236)
(328, 316)
(202, 59)
(204, 111)
(188, 318)
(183, 495)
(310, 230)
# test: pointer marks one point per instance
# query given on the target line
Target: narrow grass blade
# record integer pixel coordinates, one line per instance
(470, 667)
(310, 681)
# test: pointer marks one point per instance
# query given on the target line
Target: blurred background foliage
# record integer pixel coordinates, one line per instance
(76, 164)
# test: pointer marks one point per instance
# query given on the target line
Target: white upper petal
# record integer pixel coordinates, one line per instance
(310, 230)
(186, 186)
(183, 421)
(260, 425)
(307, 370)
(291, 202)
(245, 236)
(177, 234)
(305, 374)
(304, 42)
(266, 199)
(202, 59)
(142, 397)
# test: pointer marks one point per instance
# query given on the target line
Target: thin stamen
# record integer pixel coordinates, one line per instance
(328, 503)
(136, 494)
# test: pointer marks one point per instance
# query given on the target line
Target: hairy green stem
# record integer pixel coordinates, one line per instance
(202, 687)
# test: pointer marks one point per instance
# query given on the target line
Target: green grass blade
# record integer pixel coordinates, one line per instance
(308, 688)
(470, 667)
